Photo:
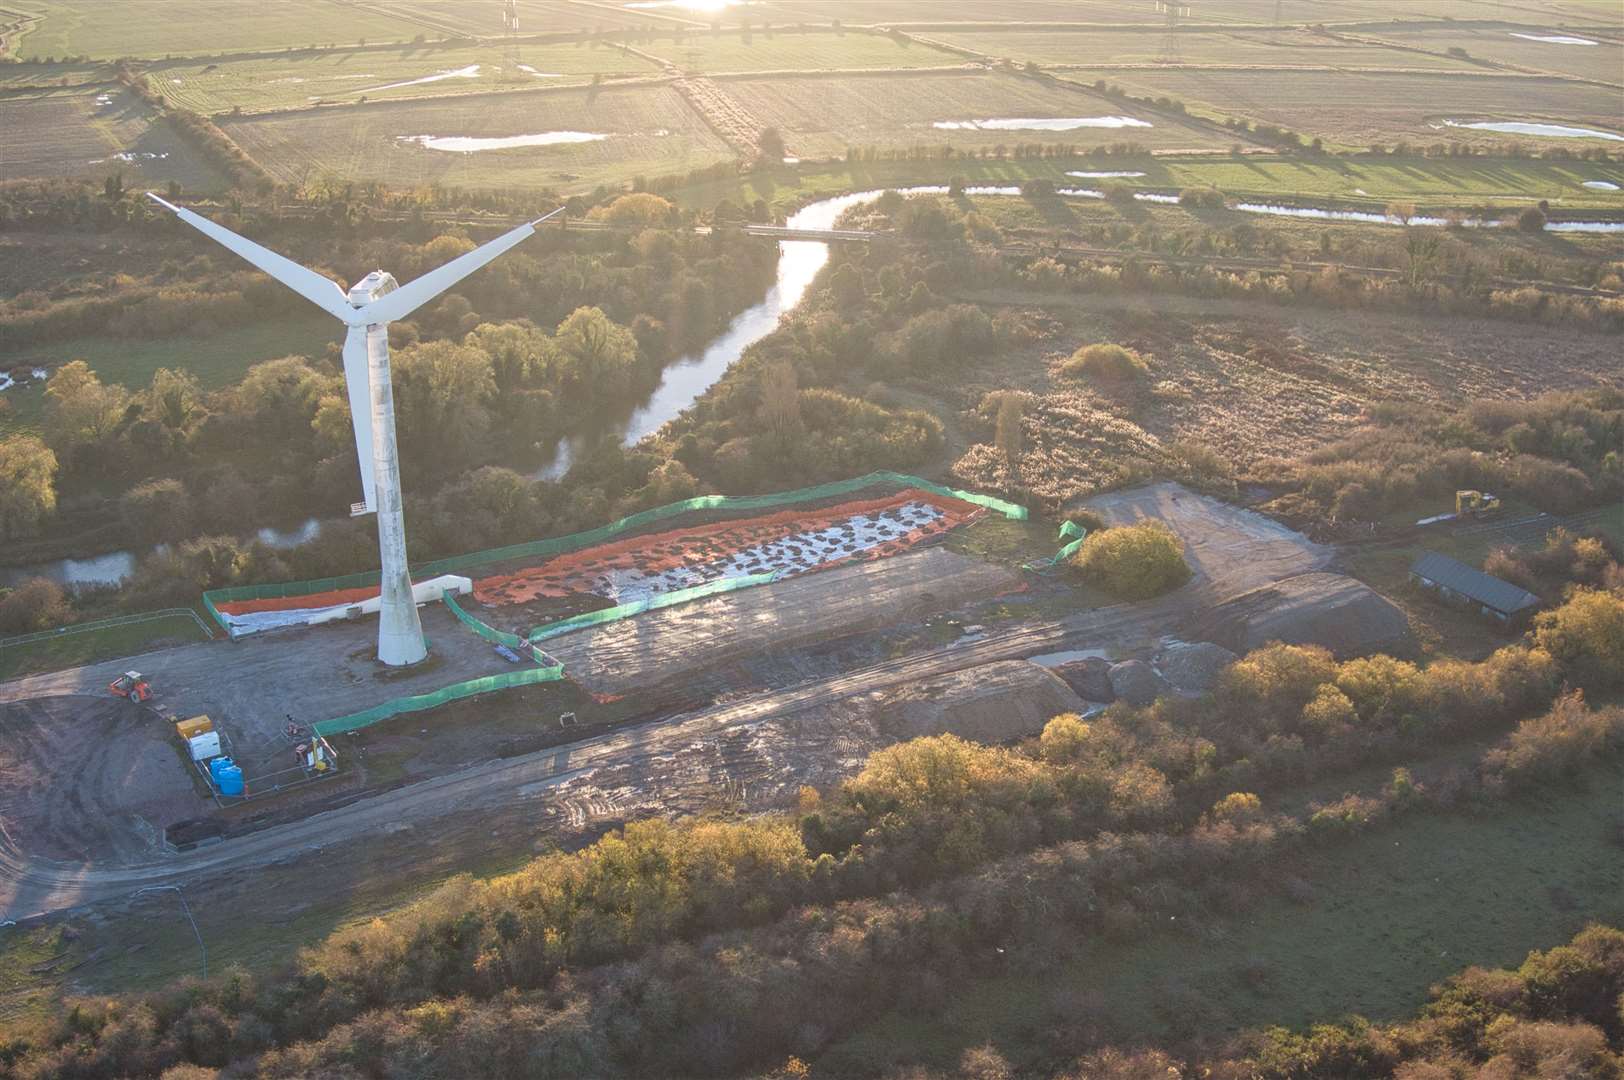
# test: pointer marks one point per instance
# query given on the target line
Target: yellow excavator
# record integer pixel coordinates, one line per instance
(1475, 503)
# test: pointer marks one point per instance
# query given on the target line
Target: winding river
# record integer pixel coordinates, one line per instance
(684, 380)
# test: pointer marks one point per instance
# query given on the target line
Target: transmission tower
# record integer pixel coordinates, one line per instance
(1172, 11)
(510, 38)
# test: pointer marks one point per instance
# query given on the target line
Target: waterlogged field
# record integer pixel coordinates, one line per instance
(1260, 12)
(1348, 107)
(794, 50)
(294, 80)
(1602, 60)
(152, 28)
(1254, 48)
(91, 131)
(648, 130)
(821, 117)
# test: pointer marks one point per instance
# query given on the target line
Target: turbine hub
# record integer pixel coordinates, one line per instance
(376, 284)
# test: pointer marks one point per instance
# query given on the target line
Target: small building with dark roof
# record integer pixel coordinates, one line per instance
(1455, 581)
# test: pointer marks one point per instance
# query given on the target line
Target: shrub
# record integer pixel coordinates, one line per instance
(1586, 635)
(36, 604)
(1111, 363)
(1134, 561)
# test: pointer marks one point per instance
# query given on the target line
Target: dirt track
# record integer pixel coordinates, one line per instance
(752, 752)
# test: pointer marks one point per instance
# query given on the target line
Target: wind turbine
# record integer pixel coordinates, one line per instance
(367, 310)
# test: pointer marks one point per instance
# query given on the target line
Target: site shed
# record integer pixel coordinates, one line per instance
(1461, 584)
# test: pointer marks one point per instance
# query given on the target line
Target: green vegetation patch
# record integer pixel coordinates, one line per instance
(217, 359)
(1259, 48)
(796, 51)
(1392, 913)
(153, 28)
(295, 80)
(72, 648)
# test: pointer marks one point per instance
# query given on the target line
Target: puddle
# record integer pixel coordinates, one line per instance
(286, 81)
(467, 144)
(1055, 659)
(104, 99)
(133, 155)
(469, 72)
(1548, 131)
(792, 161)
(1553, 39)
(527, 69)
(1601, 185)
(687, 5)
(1103, 175)
(1071, 123)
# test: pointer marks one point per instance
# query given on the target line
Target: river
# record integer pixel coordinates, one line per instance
(684, 380)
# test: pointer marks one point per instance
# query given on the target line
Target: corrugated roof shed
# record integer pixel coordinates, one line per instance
(1453, 574)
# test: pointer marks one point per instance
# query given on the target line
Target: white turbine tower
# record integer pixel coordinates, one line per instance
(367, 310)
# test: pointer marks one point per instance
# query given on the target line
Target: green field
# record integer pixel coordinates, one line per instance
(1603, 61)
(650, 130)
(70, 649)
(295, 80)
(1397, 910)
(1463, 182)
(82, 131)
(789, 50)
(156, 28)
(218, 359)
(1260, 48)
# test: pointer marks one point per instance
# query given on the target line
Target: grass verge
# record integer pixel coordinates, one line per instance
(72, 649)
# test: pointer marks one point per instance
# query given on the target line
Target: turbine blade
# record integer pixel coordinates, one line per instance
(358, 381)
(325, 293)
(419, 291)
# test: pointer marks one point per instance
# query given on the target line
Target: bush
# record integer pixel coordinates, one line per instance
(1134, 561)
(1110, 363)
(36, 604)
(1586, 635)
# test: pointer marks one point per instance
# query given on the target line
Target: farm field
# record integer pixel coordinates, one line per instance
(1603, 61)
(648, 130)
(151, 28)
(946, 12)
(1350, 108)
(1393, 912)
(790, 50)
(821, 117)
(1256, 48)
(217, 360)
(294, 80)
(32, 76)
(83, 130)
(535, 16)
(1460, 182)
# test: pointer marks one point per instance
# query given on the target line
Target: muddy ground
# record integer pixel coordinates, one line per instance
(90, 779)
(1248, 380)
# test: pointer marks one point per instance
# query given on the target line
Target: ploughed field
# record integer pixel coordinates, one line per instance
(1357, 108)
(93, 130)
(821, 117)
(645, 130)
(1250, 47)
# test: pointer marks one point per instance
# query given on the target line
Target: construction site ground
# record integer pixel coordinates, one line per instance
(751, 749)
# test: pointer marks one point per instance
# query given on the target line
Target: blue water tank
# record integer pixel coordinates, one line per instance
(215, 766)
(230, 781)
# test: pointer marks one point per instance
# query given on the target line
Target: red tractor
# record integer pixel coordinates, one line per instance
(132, 685)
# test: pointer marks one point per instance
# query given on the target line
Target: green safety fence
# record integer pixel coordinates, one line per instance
(491, 633)
(651, 603)
(560, 545)
(367, 717)
(1070, 531)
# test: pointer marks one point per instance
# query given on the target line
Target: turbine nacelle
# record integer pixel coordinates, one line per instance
(375, 285)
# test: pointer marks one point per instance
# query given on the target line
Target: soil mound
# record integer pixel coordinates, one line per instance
(1344, 615)
(1136, 682)
(993, 703)
(1089, 677)
(1194, 667)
